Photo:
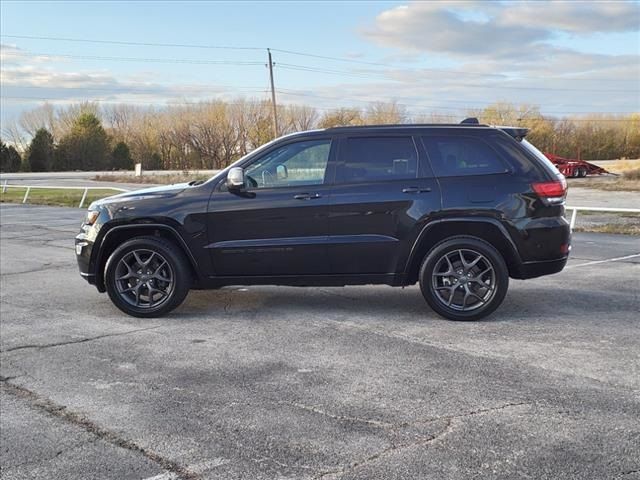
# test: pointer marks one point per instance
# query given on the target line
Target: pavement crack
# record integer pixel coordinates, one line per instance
(629, 472)
(60, 411)
(71, 342)
(392, 448)
(474, 412)
(448, 420)
(44, 267)
(343, 418)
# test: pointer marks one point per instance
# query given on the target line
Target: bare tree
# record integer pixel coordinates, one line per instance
(380, 113)
(341, 117)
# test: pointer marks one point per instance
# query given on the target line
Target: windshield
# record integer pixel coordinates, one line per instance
(540, 156)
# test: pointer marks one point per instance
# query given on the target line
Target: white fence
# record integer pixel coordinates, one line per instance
(575, 210)
(84, 193)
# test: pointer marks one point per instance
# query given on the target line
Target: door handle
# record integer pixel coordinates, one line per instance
(416, 190)
(307, 196)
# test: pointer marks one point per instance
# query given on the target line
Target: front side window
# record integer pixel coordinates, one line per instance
(296, 164)
(459, 156)
(370, 159)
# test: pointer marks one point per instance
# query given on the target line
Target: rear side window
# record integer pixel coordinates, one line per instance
(367, 159)
(460, 156)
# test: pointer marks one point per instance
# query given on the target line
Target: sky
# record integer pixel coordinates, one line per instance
(440, 57)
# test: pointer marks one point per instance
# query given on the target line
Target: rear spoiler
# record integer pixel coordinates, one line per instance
(516, 132)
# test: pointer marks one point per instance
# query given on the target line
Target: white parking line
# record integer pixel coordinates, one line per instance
(595, 262)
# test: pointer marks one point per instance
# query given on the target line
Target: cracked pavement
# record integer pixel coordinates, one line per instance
(315, 383)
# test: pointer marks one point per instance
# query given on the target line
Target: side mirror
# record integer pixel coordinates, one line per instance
(235, 178)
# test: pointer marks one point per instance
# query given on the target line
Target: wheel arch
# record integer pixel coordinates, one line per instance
(487, 229)
(118, 234)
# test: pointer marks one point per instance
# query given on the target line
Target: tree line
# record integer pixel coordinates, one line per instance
(211, 135)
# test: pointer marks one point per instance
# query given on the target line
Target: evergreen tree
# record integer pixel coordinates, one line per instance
(121, 157)
(85, 147)
(10, 159)
(40, 152)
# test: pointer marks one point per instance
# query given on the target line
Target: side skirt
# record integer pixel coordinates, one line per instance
(392, 279)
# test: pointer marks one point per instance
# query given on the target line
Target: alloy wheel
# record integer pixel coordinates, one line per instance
(144, 279)
(464, 280)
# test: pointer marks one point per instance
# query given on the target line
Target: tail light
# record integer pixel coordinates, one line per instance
(553, 192)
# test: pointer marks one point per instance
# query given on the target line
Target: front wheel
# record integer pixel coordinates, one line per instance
(147, 277)
(464, 278)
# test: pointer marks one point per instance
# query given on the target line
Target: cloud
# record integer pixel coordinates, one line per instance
(26, 77)
(12, 55)
(575, 17)
(495, 29)
(509, 50)
(444, 27)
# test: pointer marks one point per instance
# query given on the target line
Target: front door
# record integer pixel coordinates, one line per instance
(277, 224)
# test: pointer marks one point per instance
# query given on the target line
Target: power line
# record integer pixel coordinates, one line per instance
(303, 93)
(135, 59)
(327, 57)
(201, 102)
(284, 51)
(308, 68)
(135, 90)
(288, 92)
(169, 103)
(143, 44)
(293, 92)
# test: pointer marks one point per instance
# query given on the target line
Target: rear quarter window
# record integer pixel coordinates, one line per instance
(525, 159)
(453, 156)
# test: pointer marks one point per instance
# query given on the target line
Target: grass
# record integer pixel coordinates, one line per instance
(632, 174)
(153, 179)
(54, 196)
(619, 184)
(624, 229)
(620, 166)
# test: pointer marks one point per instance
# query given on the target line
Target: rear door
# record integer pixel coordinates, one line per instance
(278, 224)
(384, 187)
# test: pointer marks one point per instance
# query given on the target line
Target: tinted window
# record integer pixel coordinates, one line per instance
(296, 164)
(457, 156)
(378, 158)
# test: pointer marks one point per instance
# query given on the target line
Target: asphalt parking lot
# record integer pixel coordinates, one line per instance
(291, 383)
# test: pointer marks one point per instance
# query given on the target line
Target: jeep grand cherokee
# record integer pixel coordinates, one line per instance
(458, 208)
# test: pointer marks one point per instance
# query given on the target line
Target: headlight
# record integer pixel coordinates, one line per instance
(92, 216)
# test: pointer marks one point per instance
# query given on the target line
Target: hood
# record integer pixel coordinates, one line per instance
(162, 191)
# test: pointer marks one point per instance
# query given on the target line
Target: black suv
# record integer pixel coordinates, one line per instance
(458, 208)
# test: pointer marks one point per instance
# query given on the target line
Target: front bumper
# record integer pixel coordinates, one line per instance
(83, 248)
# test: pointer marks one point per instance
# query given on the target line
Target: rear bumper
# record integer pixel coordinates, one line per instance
(543, 246)
(540, 268)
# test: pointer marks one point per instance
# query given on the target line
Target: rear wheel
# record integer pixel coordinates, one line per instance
(147, 277)
(582, 172)
(464, 278)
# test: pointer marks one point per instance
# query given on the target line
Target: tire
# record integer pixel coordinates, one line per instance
(474, 289)
(147, 277)
(582, 172)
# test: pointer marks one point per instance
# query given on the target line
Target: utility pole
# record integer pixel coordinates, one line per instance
(273, 97)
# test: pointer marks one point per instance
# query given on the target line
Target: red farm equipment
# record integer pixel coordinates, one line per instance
(575, 168)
